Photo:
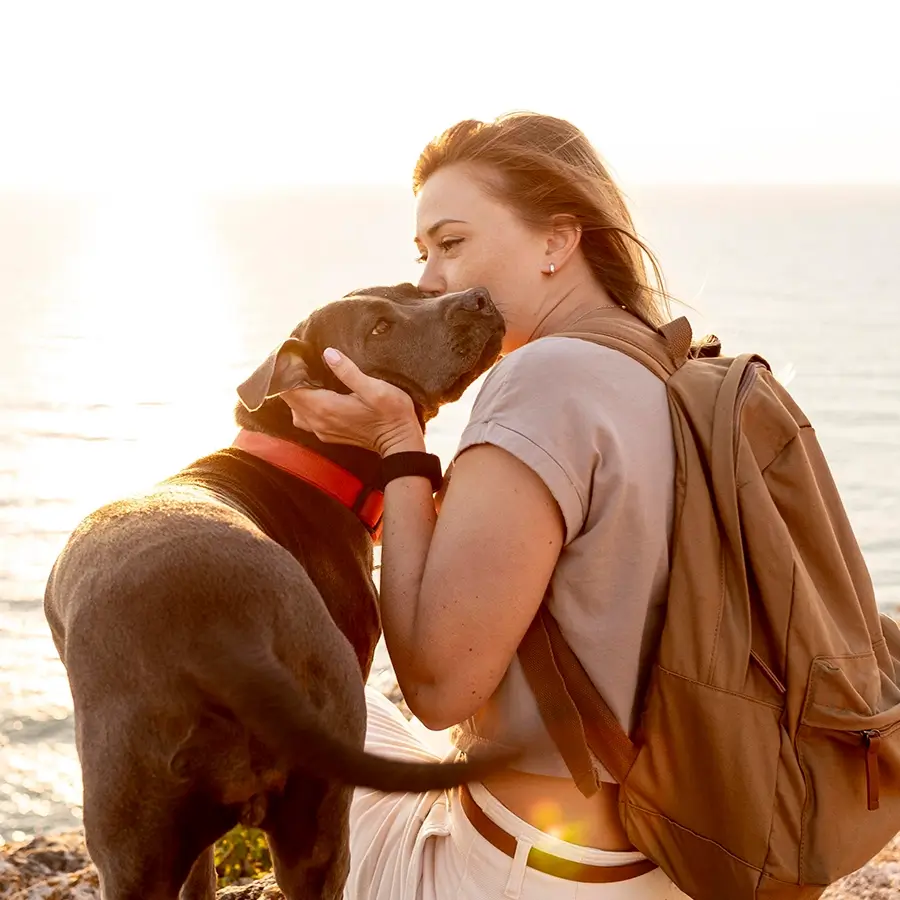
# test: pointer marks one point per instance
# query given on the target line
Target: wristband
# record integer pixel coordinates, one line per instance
(413, 462)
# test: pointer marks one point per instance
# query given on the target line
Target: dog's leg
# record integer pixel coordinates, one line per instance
(159, 863)
(308, 829)
(143, 867)
(201, 883)
(146, 837)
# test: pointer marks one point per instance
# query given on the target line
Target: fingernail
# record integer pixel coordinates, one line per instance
(332, 357)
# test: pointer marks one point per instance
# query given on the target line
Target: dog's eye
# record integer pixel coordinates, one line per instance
(381, 326)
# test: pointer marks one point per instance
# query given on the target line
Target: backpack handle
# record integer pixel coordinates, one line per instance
(678, 337)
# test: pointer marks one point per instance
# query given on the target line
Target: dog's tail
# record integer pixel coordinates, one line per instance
(264, 698)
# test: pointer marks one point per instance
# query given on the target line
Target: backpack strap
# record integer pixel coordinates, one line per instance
(556, 705)
(574, 713)
(663, 351)
(578, 719)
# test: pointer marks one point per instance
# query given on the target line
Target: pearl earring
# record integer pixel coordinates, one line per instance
(552, 268)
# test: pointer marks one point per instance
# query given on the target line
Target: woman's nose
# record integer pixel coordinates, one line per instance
(431, 282)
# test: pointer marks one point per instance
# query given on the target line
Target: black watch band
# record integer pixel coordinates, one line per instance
(412, 462)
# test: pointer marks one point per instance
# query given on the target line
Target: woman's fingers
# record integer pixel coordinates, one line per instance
(333, 417)
(372, 416)
(300, 413)
(349, 373)
(314, 409)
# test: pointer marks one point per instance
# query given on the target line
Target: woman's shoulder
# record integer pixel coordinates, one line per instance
(568, 408)
(561, 379)
(557, 360)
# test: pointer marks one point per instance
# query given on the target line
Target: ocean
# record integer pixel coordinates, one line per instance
(126, 321)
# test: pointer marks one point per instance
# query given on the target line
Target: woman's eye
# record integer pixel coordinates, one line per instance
(445, 246)
(381, 326)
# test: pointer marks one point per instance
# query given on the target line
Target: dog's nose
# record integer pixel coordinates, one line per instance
(476, 300)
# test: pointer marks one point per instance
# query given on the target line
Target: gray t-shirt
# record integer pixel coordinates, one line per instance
(594, 425)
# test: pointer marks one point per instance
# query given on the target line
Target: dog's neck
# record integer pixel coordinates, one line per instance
(364, 464)
(274, 418)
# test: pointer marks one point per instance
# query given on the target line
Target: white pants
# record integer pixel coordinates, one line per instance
(422, 846)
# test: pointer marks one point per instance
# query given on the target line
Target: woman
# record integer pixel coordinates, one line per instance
(561, 491)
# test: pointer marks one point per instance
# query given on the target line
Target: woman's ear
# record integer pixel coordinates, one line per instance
(563, 239)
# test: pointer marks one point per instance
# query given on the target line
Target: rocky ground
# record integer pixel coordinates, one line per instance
(58, 868)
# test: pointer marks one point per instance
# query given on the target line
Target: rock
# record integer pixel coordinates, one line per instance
(877, 880)
(48, 868)
(262, 889)
(870, 882)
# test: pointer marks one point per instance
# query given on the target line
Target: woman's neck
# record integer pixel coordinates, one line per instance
(567, 307)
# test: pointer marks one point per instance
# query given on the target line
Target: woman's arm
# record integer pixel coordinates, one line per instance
(458, 592)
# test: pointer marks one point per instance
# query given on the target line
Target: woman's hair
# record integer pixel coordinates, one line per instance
(544, 167)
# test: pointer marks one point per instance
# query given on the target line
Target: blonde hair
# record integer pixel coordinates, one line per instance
(545, 167)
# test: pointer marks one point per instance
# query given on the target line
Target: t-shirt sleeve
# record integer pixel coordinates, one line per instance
(535, 404)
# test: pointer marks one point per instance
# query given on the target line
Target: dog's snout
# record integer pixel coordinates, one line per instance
(476, 300)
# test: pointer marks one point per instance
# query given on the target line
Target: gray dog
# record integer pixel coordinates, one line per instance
(218, 629)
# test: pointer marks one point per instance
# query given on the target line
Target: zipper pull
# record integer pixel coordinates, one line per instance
(872, 740)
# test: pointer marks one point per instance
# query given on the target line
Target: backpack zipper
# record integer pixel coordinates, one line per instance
(872, 741)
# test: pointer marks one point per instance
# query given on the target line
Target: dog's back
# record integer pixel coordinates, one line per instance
(155, 574)
(152, 593)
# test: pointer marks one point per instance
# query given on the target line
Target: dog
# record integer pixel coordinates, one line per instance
(217, 630)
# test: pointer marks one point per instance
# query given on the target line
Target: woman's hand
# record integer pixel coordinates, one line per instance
(376, 416)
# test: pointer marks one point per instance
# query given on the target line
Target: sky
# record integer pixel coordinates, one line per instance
(260, 95)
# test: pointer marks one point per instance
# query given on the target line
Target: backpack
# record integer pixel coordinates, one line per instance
(765, 762)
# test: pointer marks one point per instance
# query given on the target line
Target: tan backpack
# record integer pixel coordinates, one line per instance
(766, 759)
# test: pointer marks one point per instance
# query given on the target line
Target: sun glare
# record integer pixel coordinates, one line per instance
(148, 307)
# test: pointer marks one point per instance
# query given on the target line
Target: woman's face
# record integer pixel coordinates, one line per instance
(468, 239)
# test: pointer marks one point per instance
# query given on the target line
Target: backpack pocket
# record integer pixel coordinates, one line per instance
(850, 759)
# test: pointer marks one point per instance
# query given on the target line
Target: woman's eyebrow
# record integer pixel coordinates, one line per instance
(441, 222)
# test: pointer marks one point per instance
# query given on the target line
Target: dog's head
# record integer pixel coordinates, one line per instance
(431, 347)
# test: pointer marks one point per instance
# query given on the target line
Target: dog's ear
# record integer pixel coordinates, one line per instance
(286, 368)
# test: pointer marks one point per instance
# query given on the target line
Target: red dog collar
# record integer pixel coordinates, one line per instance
(327, 476)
